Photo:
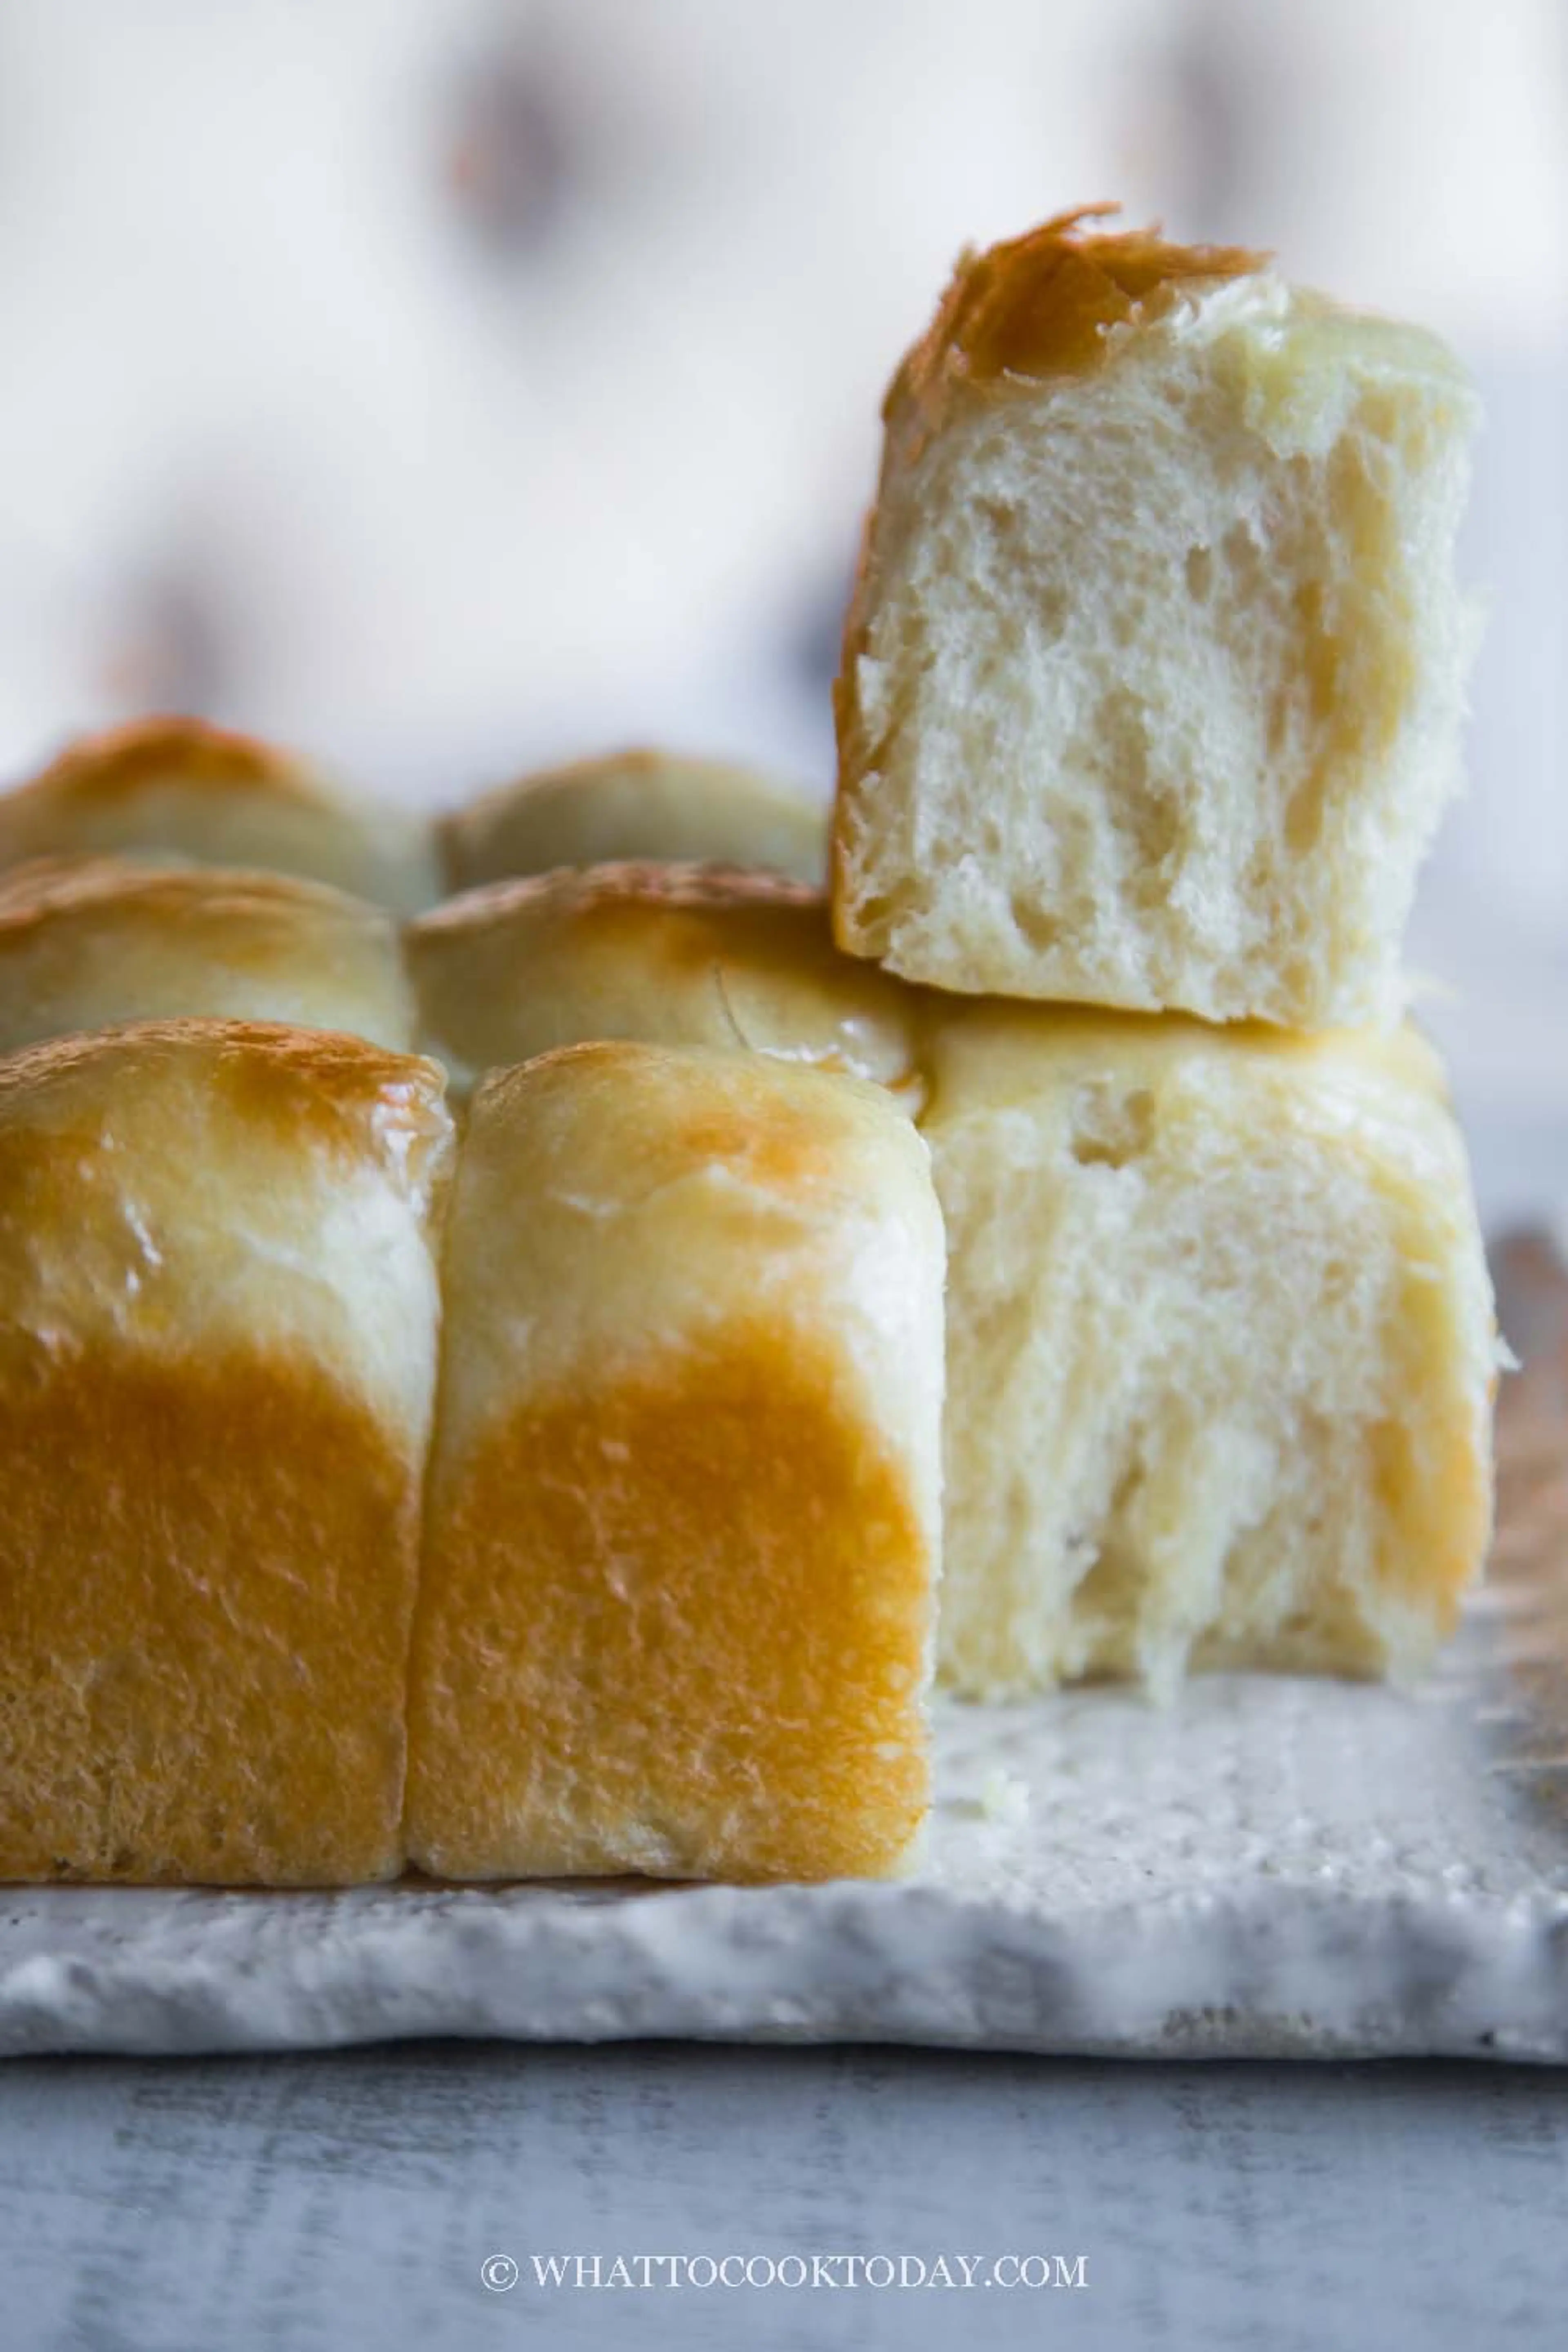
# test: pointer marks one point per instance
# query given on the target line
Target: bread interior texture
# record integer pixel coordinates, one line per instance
(1182, 749)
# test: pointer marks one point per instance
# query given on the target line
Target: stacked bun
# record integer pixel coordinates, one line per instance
(1151, 699)
(474, 1388)
(1152, 678)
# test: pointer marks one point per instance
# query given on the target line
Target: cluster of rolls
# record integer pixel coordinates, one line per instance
(511, 1324)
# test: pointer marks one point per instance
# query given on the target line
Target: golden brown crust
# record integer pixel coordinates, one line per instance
(1040, 304)
(87, 942)
(42, 886)
(217, 1340)
(683, 883)
(207, 1572)
(718, 1588)
(120, 761)
(681, 955)
(681, 1540)
(179, 791)
(764, 1136)
(308, 1086)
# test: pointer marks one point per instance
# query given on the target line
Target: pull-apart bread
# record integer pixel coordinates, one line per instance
(680, 1513)
(1151, 679)
(1221, 1349)
(682, 1528)
(679, 955)
(1220, 1338)
(219, 1319)
(636, 804)
(177, 789)
(563, 1494)
(86, 942)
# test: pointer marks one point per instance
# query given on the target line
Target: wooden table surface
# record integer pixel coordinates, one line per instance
(345, 2200)
(353, 2197)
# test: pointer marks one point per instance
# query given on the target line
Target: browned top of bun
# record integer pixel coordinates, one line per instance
(626, 881)
(1039, 305)
(120, 760)
(305, 1087)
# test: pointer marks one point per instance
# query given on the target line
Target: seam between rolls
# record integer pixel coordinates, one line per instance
(443, 1221)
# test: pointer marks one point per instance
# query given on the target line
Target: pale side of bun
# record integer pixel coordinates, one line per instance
(218, 1340)
(642, 804)
(1221, 1350)
(676, 955)
(177, 789)
(682, 1530)
(1152, 680)
(87, 942)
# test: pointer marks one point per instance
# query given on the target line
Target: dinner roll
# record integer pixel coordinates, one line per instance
(1221, 1349)
(636, 804)
(1152, 678)
(681, 1534)
(175, 788)
(676, 955)
(219, 1320)
(89, 941)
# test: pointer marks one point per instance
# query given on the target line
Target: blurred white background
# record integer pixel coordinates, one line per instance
(442, 389)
